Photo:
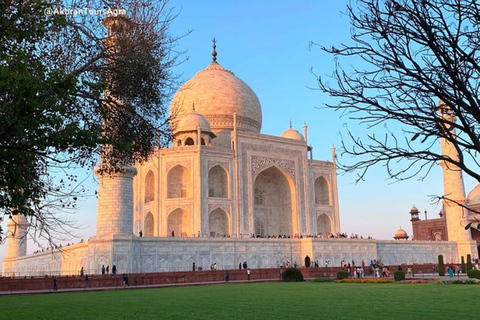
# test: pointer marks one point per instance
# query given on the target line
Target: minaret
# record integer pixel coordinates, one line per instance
(454, 190)
(17, 236)
(305, 132)
(16, 242)
(335, 191)
(115, 190)
(414, 214)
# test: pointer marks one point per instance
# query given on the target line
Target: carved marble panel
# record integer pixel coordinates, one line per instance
(261, 163)
(186, 163)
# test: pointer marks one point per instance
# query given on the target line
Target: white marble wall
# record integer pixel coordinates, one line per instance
(177, 254)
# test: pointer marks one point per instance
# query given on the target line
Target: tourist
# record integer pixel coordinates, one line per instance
(245, 265)
(193, 266)
(103, 269)
(81, 271)
(173, 233)
(248, 274)
(54, 283)
(85, 286)
(227, 276)
(450, 271)
(114, 269)
(125, 280)
(140, 233)
(108, 267)
(240, 266)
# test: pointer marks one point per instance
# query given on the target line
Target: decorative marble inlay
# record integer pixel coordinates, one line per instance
(260, 163)
(224, 207)
(213, 163)
(171, 207)
(172, 164)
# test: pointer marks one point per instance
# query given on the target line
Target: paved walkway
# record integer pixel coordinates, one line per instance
(428, 276)
(186, 284)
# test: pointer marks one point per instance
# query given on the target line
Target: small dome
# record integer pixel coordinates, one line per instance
(473, 199)
(414, 210)
(400, 234)
(292, 134)
(191, 122)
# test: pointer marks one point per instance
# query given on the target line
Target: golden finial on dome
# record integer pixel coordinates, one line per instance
(193, 106)
(214, 53)
(290, 123)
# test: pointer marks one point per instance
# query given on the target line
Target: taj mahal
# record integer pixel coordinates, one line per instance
(223, 193)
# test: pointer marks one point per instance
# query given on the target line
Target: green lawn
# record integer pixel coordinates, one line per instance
(305, 300)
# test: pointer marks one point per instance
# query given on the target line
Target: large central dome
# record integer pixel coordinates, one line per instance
(216, 93)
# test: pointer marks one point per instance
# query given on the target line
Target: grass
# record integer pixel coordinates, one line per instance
(305, 300)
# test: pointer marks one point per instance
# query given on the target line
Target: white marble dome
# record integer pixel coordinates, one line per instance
(292, 134)
(473, 199)
(217, 93)
(191, 122)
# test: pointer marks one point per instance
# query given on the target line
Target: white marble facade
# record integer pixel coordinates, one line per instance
(270, 189)
(221, 183)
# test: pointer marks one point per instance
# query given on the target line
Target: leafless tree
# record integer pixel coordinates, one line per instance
(408, 55)
(74, 89)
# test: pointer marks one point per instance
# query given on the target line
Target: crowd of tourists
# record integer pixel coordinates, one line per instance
(321, 235)
(60, 246)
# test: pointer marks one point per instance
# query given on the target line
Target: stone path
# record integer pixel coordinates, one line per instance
(66, 290)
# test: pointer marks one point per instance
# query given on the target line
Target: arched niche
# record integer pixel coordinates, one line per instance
(180, 222)
(149, 225)
(189, 142)
(149, 187)
(274, 204)
(218, 223)
(217, 182)
(322, 191)
(178, 182)
(324, 224)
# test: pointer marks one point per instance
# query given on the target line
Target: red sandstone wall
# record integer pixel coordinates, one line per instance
(422, 229)
(143, 279)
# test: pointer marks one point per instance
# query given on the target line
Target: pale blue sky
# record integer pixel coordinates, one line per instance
(266, 44)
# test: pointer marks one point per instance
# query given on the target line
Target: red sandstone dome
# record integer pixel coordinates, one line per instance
(400, 234)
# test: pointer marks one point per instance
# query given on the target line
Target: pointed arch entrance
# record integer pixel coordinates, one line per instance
(322, 191)
(324, 225)
(180, 223)
(218, 223)
(149, 225)
(274, 206)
